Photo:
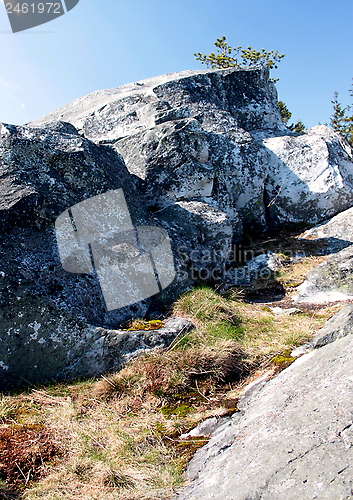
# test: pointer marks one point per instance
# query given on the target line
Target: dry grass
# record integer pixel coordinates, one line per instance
(24, 451)
(293, 275)
(119, 436)
(170, 372)
(123, 447)
(253, 327)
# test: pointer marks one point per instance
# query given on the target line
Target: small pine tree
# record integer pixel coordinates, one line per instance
(298, 127)
(349, 122)
(286, 115)
(349, 129)
(225, 57)
(338, 117)
(236, 57)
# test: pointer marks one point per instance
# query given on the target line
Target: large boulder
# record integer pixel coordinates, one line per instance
(54, 324)
(315, 179)
(292, 440)
(332, 280)
(187, 136)
(217, 137)
(221, 101)
(43, 173)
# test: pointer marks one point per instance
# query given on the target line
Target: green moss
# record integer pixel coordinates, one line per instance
(144, 325)
(181, 410)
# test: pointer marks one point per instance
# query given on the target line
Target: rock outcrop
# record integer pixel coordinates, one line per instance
(197, 136)
(203, 155)
(292, 440)
(336, 232)
(331, 281)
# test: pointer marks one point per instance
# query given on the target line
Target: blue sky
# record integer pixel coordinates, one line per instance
(108, 43)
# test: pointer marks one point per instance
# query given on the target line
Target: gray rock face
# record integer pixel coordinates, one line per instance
(330, 281)
(44, 172)
(293, 440)
(197, 136)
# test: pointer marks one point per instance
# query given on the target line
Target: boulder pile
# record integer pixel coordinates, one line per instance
(202, 155)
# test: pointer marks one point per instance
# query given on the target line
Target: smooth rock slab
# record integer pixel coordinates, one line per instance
(293, 440)
(331, 281)
(338, 231)
(340, 325)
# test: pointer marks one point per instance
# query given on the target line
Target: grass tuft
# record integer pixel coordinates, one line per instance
(175, 371)
(23, 452)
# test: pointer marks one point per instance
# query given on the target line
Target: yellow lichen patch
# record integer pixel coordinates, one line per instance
(283, 359)
(140, 324)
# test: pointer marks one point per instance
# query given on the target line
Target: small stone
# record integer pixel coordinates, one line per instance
(279, 311)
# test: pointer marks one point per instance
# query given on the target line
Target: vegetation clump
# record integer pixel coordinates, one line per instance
(24, 450)
(342, 119)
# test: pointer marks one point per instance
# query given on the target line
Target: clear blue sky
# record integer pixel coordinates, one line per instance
(104, 44)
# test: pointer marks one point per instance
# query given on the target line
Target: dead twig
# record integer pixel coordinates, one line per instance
(273, 201)
(21, 471)
(198, 390)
